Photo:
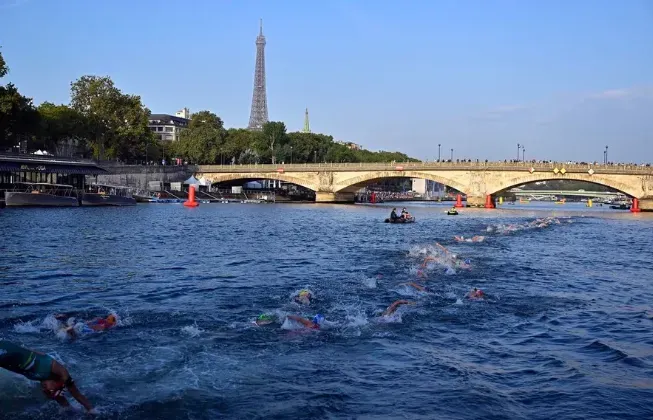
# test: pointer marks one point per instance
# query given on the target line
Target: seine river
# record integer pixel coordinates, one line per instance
(565, 330)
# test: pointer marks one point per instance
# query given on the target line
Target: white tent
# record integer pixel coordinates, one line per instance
(192, 181)
(203, 181)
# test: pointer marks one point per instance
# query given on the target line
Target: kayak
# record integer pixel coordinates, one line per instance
(409, 220)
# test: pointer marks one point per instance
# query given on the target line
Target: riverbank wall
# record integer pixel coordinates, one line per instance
(137, 176)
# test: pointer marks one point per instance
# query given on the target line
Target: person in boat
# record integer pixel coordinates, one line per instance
(304, 297)
(393, 214)
(476, 293)
(266, 319)
(96, 325)
(307, 323)
(395, 305)
(40, 367)
(405, 214)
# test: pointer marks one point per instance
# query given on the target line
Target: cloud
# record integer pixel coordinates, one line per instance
(623, 93)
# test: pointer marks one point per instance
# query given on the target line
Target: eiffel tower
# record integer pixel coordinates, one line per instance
(259, 114)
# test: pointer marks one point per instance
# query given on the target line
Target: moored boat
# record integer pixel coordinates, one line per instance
(41, 194)
(108, 195)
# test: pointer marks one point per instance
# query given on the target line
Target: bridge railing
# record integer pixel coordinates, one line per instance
(415, 166)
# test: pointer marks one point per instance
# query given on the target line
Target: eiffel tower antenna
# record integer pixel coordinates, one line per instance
(307, 127)
(259, 113)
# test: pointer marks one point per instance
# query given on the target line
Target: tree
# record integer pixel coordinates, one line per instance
(3, 67)
(63, 129)
(203, 140)
(239, 145)
(117, 122)
(18, 118)
(273, 138)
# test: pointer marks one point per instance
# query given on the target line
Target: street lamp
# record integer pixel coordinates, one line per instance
(518, 147)
(606, 155)
(452, 154)
(291, 155)
(439, 151)
(523, 153)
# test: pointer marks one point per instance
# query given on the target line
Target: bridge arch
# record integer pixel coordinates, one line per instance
(245, 177)
(606, 181)
(353, 184)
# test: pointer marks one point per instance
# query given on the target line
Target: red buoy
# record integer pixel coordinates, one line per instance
(459, 202)
(635, 206)
(488, 202)
(191, 197)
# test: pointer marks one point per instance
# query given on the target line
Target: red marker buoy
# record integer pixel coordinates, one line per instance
(191, 197)
(459, 202)
(488, 202)
(635, 207)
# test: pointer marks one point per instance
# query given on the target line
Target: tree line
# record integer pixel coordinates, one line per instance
(102, 122)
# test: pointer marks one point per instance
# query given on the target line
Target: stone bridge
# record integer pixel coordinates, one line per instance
(338, 182)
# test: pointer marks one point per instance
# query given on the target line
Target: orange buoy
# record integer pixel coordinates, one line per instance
(488, 202)
(459, 201)
(191, 197)
(635, 206)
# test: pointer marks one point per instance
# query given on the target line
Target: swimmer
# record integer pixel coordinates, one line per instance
(307, 323)
(304, 297)
(395, 305)
(476, 293)
(97, 325)
(472, 239)
(40, 367)
(416, 286)
(265, 319)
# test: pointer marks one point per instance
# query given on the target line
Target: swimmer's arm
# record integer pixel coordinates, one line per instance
(63, 374)
(62, 401)
(305, 322)
(392, 308)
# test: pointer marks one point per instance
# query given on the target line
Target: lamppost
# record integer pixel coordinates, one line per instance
(518, 147)
(291, 155)
(605, 158)
(439, 151)
(523, 153)
(452, 154)
(606, 155)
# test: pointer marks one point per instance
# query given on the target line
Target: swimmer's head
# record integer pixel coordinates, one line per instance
(52, 389)
(468, 261)
(304, 293)
(111, 319)
(265, 319)
(318, 319)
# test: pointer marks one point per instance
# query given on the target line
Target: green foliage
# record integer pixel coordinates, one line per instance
(203, 140)
(272, 140)
(18, 118)
(61, 126)
(117, 122)
(3, 67)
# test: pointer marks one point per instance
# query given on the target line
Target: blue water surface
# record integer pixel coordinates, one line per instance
(566, 330)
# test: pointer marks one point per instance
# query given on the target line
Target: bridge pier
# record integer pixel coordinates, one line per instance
(329, 197)
(475, 201)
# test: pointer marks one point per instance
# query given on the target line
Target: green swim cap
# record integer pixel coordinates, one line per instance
(265, 317)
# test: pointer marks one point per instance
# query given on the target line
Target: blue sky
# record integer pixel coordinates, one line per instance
(565, 78)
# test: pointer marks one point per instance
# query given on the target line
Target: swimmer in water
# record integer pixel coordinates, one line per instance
(265, 319)
(395, 305)
(96, 325)
(40, 367)
(307, 323)
(476, 293)
(416, 287)
(473, 239)
(304, 297)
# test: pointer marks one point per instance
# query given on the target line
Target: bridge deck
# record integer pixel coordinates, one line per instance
(416, 166)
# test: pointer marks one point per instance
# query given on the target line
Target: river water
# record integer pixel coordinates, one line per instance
(565, 330)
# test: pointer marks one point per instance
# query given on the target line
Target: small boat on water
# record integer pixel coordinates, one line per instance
(620, 206)
(108, 195)
(400, 220)
(452, 212)
(41, 194)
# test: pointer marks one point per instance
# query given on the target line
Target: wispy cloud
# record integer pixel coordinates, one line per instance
(623, 93)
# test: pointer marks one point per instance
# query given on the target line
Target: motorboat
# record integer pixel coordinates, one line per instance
(108, 195)
(41, 194)
(452, 212)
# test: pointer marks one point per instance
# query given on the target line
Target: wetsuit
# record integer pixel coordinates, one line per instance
(393, 215)
(32, 365)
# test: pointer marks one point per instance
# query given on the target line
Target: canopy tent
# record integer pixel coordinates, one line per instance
(192, 181)
(205, 182)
